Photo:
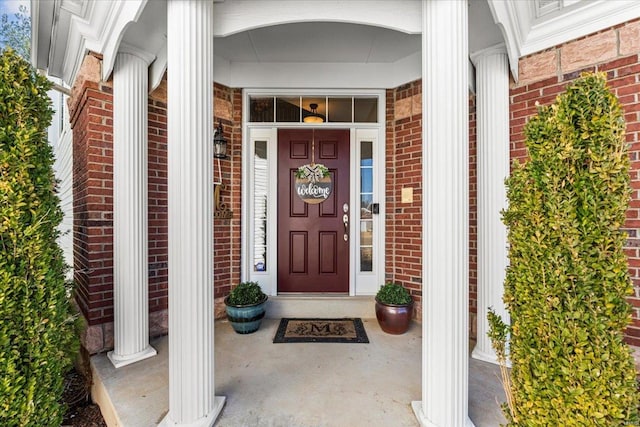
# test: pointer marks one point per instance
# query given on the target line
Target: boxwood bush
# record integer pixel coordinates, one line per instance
(246, 293)
(393, 293)
(35, 322)
(567, 282)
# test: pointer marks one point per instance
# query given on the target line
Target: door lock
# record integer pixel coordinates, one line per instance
(345, 221)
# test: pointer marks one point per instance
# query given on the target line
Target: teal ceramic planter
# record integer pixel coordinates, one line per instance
(246, 319)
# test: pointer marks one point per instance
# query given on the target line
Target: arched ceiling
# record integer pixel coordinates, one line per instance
(253, 51)
(317, 42)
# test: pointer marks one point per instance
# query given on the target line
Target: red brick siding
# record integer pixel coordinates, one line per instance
(404, 169)
(624, 79)
(92, 122)
(157, 210)
(91, 119)
(390, 196)
(227, 239)
(406, 218)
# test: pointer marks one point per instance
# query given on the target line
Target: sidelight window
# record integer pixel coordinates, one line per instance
(260, 202)
(366, 206)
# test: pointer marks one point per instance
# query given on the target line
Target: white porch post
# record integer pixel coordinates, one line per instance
(190, 198)
(130, 234)
(492, 109)
(445, 153)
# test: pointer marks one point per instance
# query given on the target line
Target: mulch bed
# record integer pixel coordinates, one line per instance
(81, 411)
(84, 416)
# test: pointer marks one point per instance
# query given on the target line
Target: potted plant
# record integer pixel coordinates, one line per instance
(245, 307)
(394, 308)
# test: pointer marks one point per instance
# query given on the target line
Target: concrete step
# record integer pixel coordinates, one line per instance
(320, 306)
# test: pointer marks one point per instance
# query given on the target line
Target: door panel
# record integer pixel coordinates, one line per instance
(313, 255)
(328, 248)
(329, 208)
(298, 243)
(297, 207)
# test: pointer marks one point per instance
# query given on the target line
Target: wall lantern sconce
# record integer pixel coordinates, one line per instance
(313, 116)
(220, 209)
(219, 143)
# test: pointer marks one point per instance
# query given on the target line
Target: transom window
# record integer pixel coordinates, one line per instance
(313, 109)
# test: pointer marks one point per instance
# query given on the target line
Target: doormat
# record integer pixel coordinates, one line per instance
(347, 330)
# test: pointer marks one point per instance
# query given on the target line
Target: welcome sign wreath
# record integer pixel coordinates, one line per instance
(313, 181)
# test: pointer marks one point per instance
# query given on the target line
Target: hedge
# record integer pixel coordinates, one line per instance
(36, 327)
(567, 282)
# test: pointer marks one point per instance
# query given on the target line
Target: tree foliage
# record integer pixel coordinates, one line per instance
(567, 282)
(16, 33)
(36, 328)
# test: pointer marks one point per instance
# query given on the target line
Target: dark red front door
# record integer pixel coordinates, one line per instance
(313, 254)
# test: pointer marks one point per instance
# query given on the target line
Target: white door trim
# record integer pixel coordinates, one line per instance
(359, 283)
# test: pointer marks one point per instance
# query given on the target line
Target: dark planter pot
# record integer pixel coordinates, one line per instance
(245, 319)
(394, 319)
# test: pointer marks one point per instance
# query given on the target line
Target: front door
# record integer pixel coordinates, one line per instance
(313, 239)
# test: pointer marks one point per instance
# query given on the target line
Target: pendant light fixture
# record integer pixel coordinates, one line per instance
(313, 116)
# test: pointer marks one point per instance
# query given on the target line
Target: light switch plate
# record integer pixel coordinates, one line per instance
(407, 195)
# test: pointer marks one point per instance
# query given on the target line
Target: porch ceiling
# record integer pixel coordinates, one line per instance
(313, 42)
(317, 42)
(381, 56)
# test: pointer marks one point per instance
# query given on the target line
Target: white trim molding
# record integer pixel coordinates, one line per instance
(525, 32)
(232, 17)
(77, 27)
(492, 112)
(360, 283)
(445, 209)
(192, 400)
(130, 222)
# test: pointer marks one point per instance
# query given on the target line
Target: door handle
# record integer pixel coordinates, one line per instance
(345, 221)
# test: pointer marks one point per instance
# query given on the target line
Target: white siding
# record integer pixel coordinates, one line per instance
(61, 140)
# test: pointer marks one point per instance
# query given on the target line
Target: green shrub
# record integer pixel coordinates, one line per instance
(35, 322)
(246, 293)
(393, 293)
(567, 281)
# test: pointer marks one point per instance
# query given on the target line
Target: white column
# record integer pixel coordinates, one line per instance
(492, 112)
(445, 207)
(130, 233)
(192, 400)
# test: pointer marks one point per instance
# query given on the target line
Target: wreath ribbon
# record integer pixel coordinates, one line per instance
(312, 172)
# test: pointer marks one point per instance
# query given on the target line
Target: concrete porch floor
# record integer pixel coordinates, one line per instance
(295, 385)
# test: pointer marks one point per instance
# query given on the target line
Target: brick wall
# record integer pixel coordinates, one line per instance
(157, 210)
(91, 108)
(227, 237)
(545, 74)
(91, 117)
(404, 169)
(91, 120)
(390, 196)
